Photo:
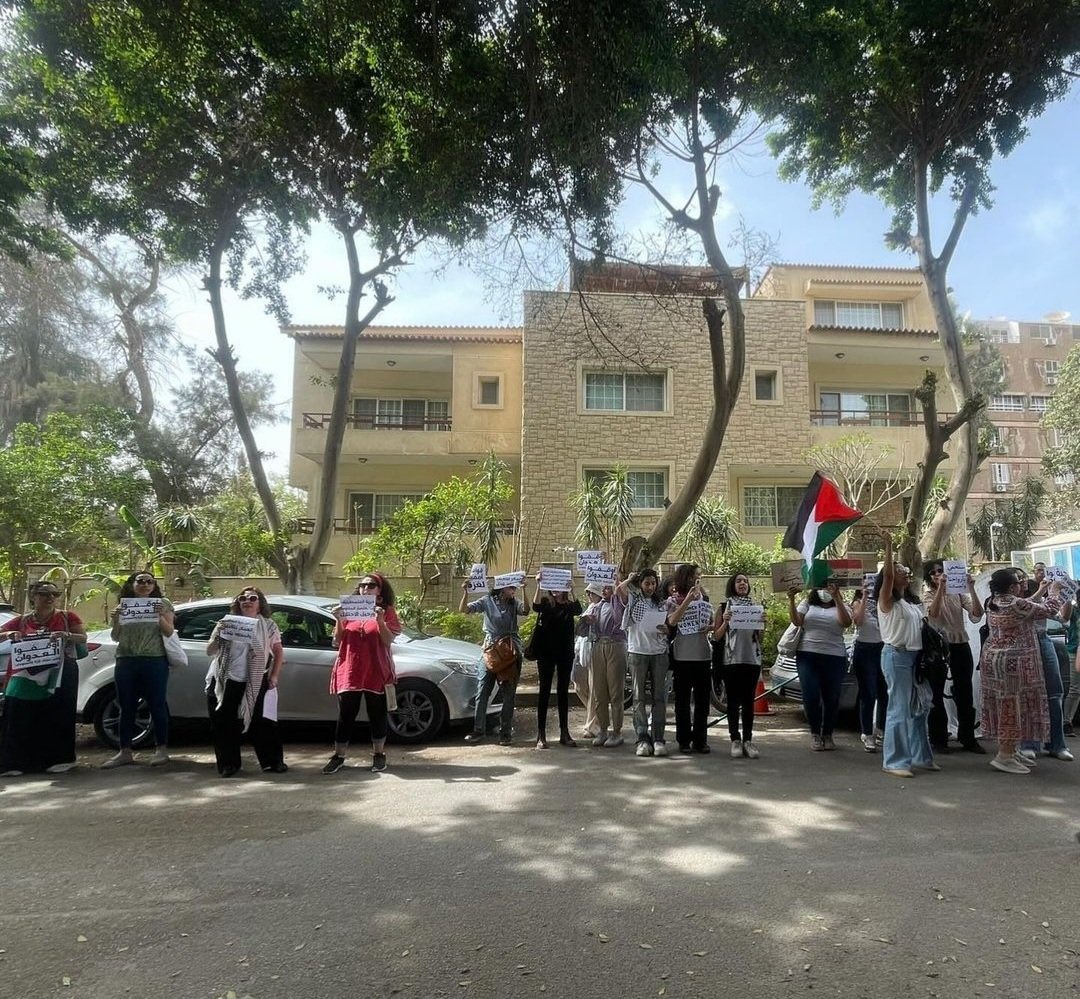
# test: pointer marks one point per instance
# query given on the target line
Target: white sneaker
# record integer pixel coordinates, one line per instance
(600, 739)
(736, 750)
(1063, 754)
(869, 743)
(1026, 757)
(643, 748)
(1012, 765)
(750, 751)
(659, 748)
(160, 757)
(61, 768)
(614, 740)
(122, 759)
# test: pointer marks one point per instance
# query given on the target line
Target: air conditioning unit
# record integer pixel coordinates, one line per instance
(1050, 379)
(1049, 341)
(1000, 487)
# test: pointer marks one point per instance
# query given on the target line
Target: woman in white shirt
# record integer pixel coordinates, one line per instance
(645, 624)
(900, 617)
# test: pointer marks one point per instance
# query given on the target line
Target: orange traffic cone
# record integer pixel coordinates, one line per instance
(761, 702)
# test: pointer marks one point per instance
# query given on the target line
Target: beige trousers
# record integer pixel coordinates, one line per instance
(607, 680)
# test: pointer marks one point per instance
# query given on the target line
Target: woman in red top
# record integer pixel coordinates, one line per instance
(363, 670)
(38, 729)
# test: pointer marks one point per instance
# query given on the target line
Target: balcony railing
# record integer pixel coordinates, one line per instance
(348, 525)
(863, 418)
(320, 421)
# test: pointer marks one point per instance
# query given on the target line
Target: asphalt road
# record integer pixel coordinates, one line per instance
(585, 874)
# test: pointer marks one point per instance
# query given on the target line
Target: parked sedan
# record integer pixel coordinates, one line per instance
(784, 679)
(436, 676)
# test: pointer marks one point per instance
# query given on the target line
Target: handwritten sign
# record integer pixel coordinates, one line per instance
(358, 606)
(34, 655)
(506, 579)
(136, 610)
(698, 617)
(956, 575)
(554, 580)
(237, 628)
(654, 621)
(478, 578)
(587, 558)
(1056, 574)
(747, 617)
(869, 581)
(602, 573)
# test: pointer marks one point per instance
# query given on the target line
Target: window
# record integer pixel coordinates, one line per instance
(765, 385)
(365, 511)
(397, 414)
(489, 391)
(1009, 403)
(771, 506)
(196, 625)
(302, 630)
(872, 407)
(649, 487)
(875, 315)
(1003, 332)
(1042, 331)
(1051, 367)
(636, 393)
(999, 473)
(1039, 403)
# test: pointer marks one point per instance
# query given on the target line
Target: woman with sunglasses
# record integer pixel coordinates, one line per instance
(37, 732)
(240, 674)
(364, 669)
(142, 669)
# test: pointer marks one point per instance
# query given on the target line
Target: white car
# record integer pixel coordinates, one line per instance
(436, 676)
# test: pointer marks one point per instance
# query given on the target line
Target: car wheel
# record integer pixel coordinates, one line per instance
(421, 712)
(106, 716)
(718, 693)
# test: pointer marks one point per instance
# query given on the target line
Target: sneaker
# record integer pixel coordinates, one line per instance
(160, 757)
(816, 744)
(61, 768)
(736, 749)
(1061, 754)
(588, 734)
(378, 763)
(277, 768)
(1026, 757)
(879, 734)
(613, 740)
(898, 772)
(931, 767)
(643, 749)
(1009, 765)
(11, 773)
(702, 747)
(827, 743)
(122, 759)
(505, 740)
(685, 749)
(659, 748)
(869, 743)
(599, 739)
(475, 737)
(750, 751)
(334, 764)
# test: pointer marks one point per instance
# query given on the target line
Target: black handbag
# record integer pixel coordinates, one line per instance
(934, 657)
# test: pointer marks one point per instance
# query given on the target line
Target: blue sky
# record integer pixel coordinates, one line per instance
(1017, 260)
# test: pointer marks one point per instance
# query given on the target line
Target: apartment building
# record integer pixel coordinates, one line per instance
(1034, 354)
(426, 403)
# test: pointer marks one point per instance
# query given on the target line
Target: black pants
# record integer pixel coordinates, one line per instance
(961, 668)
(938, 721)
(548, 668)
(227, 728)
(349, 708)
(740, 684)
(691, 677)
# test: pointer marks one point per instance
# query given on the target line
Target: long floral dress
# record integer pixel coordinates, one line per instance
(1014, 706)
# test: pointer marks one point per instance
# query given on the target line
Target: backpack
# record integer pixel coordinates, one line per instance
(934, 657)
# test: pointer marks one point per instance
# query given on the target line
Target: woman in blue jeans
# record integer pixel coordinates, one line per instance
(821, 658)
(867, 661)
(900, 617)
(141, 667)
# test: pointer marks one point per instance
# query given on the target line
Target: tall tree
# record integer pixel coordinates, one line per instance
(905, 101)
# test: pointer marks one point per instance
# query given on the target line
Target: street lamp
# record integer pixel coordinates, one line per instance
(997, 525)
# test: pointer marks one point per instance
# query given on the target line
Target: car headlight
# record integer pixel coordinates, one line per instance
(460, 666)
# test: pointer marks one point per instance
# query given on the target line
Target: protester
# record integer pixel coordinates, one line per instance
(553, 643)
(241, 675)
(501, 609)
(582, 672)
(1014, 706)
(142, 670)
(647, 654)
(946, 612)
(1055, 688)
(821, 658)
(900, 617)
(691, 663)
(866, 658)
(1070, 617)
(37, 729)
(740, 652)
(364, 670)
(607, 679)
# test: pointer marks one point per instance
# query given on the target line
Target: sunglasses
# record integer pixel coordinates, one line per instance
(248, 598)
(47, 593)
(145, 579)
(371, 585)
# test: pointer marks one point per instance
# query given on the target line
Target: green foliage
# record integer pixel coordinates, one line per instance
(1062, 459)
(776, 622)
(604, 509)
(451, 624)
(1018, 516)
(745, 557)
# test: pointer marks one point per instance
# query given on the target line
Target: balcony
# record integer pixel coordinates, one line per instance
(321, 421)
(900, 429)
(355, 528)
(866, 418)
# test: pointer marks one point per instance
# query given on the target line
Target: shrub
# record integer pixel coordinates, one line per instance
(451, 624)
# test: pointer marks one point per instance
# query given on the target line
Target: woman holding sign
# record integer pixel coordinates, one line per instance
(742, 666)
(690, 613)
(140, 624)
(553, 643)
(37, 732)
(364, 670)
(247, 660)
(645, 624)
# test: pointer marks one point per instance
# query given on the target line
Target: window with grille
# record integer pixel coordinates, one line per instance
(1009, 403)
(875, 315)
(649, 486)
(999, 473)
(1039, 403)
(407, 414)
(771, 506)
(366, 511)
(622, 391)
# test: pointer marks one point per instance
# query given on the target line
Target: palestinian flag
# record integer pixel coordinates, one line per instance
(822, 517)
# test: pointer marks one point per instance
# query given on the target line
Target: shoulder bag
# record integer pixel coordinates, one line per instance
(174, 650)
(790, 640)
(501, 658)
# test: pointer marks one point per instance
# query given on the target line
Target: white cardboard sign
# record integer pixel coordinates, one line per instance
(478, 580)
(37, 654)
(747, 617)
(237, 628)
(136, 610)
(1057, 574)
(956, 575)
(698, 617)
(358, 606)
(869, 580)
(555, 580)
(516, 578)
(587, 558)
(601, 572)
